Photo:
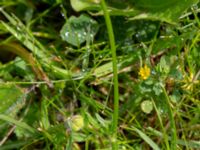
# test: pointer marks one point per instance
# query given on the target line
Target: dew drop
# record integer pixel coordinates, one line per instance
(161, 111)
(79, 35)
(60, 91)
(62, 14)
(91, 35)
(67, 34)
(91, 20)
(18, 28)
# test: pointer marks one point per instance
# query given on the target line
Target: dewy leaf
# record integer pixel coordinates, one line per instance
(77, 30)
(11, 98)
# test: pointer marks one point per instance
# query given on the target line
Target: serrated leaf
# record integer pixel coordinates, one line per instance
(79, 29)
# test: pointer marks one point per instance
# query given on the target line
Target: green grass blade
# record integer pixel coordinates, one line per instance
(162, 126)
(115, 75)
(172, 122)
(189, 143)
(146, 138)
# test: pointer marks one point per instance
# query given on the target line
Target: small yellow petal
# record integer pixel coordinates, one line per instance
(144, 72)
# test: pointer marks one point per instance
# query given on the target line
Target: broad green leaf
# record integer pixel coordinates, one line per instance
(79, 29)
(92, 5)
(11, 99)
(154, 4)
(168, 11)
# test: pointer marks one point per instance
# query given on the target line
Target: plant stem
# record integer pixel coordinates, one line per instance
(115, 75)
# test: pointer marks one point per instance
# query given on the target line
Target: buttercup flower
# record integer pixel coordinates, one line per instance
(144, 72)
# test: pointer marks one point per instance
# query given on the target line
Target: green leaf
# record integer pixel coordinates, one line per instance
(11, 98)
(79, 29)
(147, 106)
(79, 5)
(168, 11)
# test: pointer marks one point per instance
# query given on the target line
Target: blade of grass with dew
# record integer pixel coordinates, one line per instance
(24, 35)
(115, 75)
(18, 29)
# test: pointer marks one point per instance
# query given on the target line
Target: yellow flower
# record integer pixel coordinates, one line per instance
(77, 122)
(144, 72)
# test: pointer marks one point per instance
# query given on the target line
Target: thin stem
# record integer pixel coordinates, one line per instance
(115, 75)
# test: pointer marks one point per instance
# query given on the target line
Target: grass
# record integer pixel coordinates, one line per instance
(113, 76)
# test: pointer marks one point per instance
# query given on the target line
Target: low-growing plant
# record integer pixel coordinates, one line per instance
(96, 74)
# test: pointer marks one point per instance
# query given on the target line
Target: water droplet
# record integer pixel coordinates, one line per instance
(67, 34)
(91, 20)
(161, 111)
(62, 14)
(137, 35)
(79, 35)
(18, 28)
(91, 35)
